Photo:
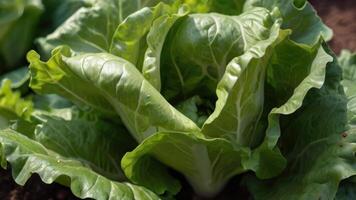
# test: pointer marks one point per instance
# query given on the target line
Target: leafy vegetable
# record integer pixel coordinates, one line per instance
(132, 93)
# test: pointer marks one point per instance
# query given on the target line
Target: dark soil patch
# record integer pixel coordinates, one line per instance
(34, 189)
(340, 15)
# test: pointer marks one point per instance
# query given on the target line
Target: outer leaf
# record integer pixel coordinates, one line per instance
(57, 12)
(206, 163)
(313, 176)
(307, 73)
(16, 18)
(319, 153)
(299, 16)
(78, 138)
(45, 78)
(64, 163)
(116, 86)
(91, 28)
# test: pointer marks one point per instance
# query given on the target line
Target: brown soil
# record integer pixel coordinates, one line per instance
(340, 15)
(34, 189)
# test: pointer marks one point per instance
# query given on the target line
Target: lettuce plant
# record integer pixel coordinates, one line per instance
(133, 92)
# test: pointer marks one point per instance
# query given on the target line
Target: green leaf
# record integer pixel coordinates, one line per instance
(116, 87)
(50, 101)
(206, 163)
(12, 106)
(156, 38)
(319, 153)
(289, 84)
(91, 28)
(191, 109)
(78, 137)
(129, 40)
(16, 18)
(240, 103)
(46, 78)
(315, 175)
(347, 62)
(199, 47)
(299, 16)
(77, 153)
(158, 180)
(57, 12)
(88, 30)
(19, 78)
(228, 7)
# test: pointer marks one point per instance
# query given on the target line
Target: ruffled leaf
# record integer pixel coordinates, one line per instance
(62, 151)
(319, 152)
(116, 88)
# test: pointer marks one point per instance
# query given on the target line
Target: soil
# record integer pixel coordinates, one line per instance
(340, 15)
(34, 189)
